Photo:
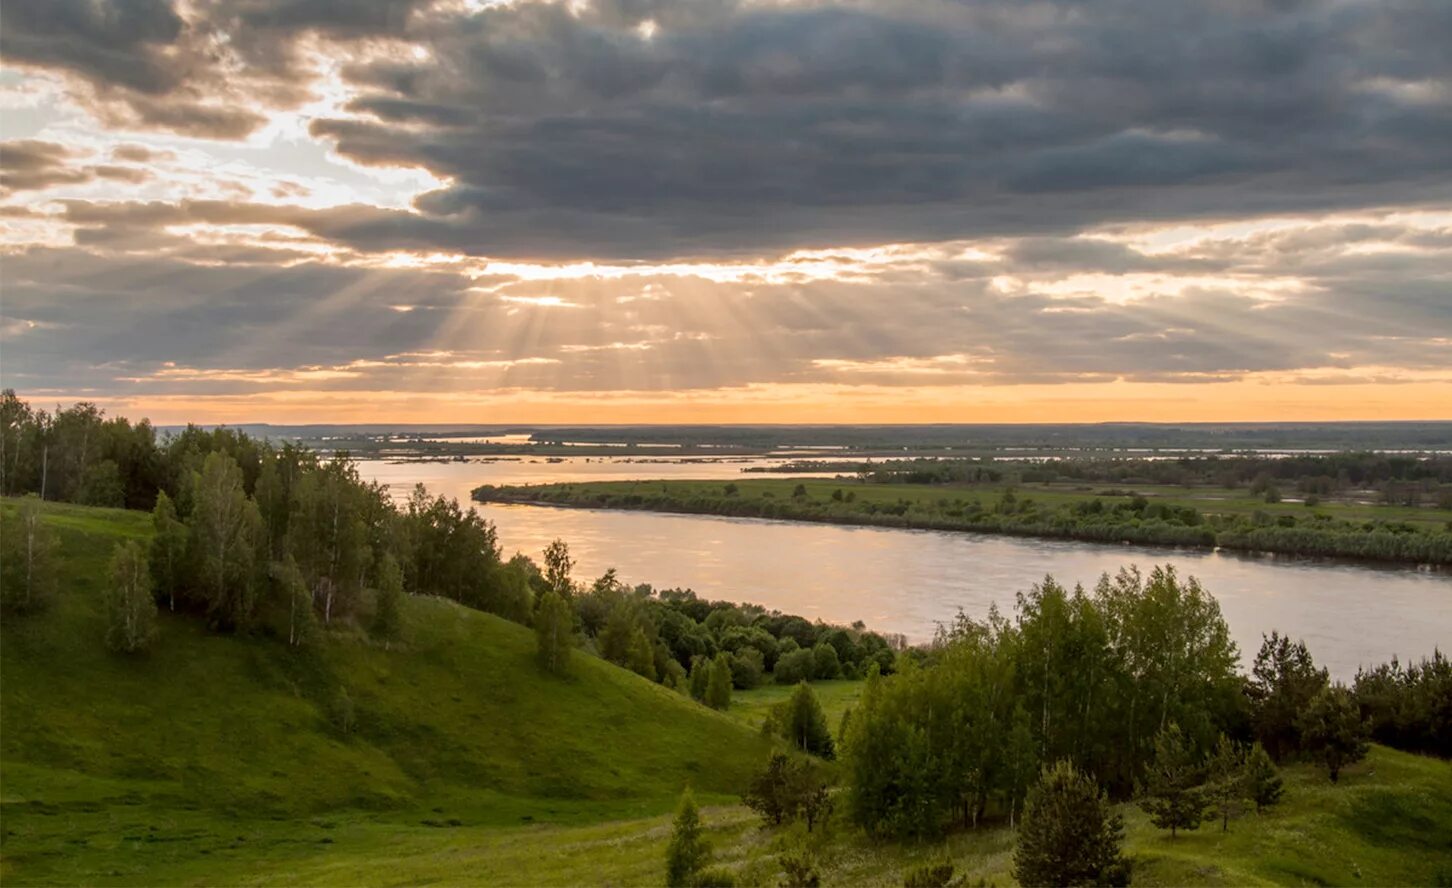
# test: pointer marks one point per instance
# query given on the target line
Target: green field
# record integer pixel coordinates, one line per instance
(216, 760)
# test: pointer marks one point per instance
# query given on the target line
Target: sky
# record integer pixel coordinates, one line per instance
(631, 211)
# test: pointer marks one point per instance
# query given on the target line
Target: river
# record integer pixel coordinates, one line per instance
(908, 580)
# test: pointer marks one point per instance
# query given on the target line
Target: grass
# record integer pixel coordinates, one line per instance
(212, 741)
(836, 697)
(213, 761)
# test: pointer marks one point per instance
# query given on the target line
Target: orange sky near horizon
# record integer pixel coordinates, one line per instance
(787, 404)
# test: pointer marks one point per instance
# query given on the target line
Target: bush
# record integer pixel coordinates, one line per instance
(1068, 835)
(929, 875)
(825, 663)
(747, 668)
(795, 666)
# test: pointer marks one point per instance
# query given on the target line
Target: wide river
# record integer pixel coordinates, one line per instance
(909, 580)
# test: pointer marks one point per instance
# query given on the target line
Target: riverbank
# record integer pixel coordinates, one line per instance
(1181, 521)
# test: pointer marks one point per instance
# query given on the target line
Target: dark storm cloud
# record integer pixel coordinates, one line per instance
(748, 128)
(638, 129)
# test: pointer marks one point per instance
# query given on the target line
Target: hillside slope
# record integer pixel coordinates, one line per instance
(169, 754)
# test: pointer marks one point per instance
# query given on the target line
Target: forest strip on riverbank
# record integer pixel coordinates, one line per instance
(1334, 531)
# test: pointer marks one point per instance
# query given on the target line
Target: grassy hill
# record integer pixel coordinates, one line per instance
(215, 760)
(114, 763)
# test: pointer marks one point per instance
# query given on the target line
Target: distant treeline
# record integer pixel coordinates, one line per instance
(1097, 678)
(1396, 478)
(1135, 520)
(269, 538)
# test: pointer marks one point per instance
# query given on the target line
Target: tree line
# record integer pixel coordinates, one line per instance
(1131, 519)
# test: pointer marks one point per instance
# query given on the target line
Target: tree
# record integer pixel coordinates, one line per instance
(297, 600)
(27, 568)
(700, 678)
(688, 851)
(130, 607)
(718, 686)
(388, 610)
(1262, 778)
(1068, 835)
(224, 531)
(1284, 679)
(558, 565)
(1333, 730)
(805, 725)
(789, 788)
(640, 656)
(825, 663)
(1226, 785)
(554, 626)
(168, 550)
(1174, 798)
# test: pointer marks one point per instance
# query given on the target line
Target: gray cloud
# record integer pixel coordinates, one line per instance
(32, 165)
(745, 128)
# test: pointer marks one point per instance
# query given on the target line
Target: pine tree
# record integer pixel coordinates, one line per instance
(130, 607)
(805, 724)
(554, 627)
(1226, 784)
(1262, 778)
(718, 686)
(168, 550)
(1069, 835)
(688, 852)
(388, 612)
(1175, 800)
(1333, 730)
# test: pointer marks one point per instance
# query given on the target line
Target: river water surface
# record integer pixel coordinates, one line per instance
(908, 580)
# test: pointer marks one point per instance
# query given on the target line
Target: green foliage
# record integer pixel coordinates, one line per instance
(795, 666)
(27, 559)
(1409, 708)
(1227, 783)
(1069, 836)
(1174, 796)
(789, 788)
(554, 630)
(1284, 680)
(700, 678)
(825, 662)
(929, 875)
(224, 532)
(388, 603)
(168, 552)
(558, 565)
(747, 666)
(718, 685)
(130, 607)
(1263, 784)
(688, 851)
(804, 725)
(799, 868)
(1333, 730)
